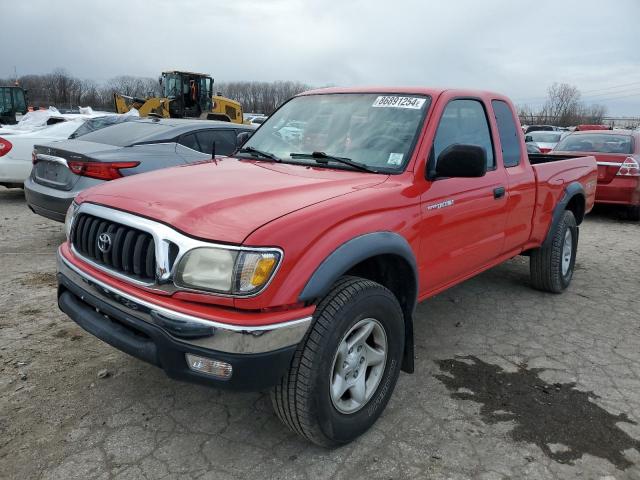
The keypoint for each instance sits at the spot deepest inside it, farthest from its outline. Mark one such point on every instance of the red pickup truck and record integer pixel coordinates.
(296, 264)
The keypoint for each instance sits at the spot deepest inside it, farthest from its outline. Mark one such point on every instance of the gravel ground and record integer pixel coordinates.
(509, 383)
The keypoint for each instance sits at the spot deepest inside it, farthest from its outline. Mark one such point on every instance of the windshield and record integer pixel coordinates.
(544, 137)
(171, 85)
(596, 142)
(371, 129)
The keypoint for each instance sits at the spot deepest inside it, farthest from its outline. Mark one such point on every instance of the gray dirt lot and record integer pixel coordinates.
(493, 395)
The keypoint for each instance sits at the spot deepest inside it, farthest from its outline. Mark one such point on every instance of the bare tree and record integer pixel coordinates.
(261, 97)
(61, 89)
(563, 108)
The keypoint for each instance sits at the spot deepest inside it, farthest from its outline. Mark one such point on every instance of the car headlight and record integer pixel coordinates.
(237, 272)
(68, 218)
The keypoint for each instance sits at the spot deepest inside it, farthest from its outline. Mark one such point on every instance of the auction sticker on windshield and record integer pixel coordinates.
(399, 102)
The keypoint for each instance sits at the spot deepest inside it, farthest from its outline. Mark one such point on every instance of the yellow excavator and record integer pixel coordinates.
(185, 95)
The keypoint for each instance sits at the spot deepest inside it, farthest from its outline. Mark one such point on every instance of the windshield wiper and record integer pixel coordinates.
(321, 157)
(258, 153)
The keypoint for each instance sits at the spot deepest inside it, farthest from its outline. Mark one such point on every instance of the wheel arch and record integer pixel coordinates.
(574, 200)
(383, 257)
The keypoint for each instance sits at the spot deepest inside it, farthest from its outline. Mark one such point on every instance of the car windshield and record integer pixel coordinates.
(544, 137)
(597, 143)
(374, 130)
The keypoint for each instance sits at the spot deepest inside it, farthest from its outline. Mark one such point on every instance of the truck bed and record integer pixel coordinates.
(553, 174)
(537, 158)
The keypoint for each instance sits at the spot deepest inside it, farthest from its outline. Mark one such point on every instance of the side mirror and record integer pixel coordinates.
(528, 138)
(459, 160)
(242, 138)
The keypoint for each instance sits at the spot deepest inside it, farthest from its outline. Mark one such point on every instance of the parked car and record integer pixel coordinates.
(532, 148)
(259, 120)
(582, 128)
(618, 155)
(540, 128)
(297, 265)
(63, 169)
(16, 151)
(544, 140)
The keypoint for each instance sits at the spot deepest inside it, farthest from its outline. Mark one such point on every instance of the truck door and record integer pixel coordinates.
(463, 219)
(520, 177)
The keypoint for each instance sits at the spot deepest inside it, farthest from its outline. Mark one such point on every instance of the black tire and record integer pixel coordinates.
(302, 399)
(545, 263)
(633, 213)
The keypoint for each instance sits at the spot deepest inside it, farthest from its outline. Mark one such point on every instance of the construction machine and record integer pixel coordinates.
(184, 95)
(13, 103)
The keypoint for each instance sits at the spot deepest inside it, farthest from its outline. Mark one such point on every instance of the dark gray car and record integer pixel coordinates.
(63, 169)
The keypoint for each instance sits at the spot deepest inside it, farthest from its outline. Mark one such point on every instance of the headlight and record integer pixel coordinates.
(239, 272)
(68, 218)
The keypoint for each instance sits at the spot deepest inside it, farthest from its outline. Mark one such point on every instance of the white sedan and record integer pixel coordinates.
(15, 150)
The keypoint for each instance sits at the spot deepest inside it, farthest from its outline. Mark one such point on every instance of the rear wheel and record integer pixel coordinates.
(551, 266)
(344, 371)
(634, 213)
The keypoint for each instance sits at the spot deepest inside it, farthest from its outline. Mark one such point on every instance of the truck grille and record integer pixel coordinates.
(115, 246)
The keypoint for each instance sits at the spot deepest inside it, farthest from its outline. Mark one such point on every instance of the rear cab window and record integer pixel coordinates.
(508, 133)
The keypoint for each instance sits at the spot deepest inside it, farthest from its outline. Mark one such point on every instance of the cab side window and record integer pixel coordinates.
(463, 122)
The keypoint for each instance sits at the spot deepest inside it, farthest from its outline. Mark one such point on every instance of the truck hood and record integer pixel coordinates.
(226, 199)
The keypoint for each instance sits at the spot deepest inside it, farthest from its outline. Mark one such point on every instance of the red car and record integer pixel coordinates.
(583, 128)
(296, 264)
(618, 155)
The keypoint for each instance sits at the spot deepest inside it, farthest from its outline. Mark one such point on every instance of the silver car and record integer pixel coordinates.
(63, 169)
(544, 140)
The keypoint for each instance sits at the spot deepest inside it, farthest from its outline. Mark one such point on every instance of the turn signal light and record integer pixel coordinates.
(208, 366)
(5, 146)
(629, 168)
(100, 170)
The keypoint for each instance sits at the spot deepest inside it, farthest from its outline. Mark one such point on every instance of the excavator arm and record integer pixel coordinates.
(154, 106)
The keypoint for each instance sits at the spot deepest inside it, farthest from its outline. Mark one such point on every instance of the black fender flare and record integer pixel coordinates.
(570, 191)
(355, 251)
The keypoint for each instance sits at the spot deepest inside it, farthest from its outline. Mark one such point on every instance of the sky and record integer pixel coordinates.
(514, 47)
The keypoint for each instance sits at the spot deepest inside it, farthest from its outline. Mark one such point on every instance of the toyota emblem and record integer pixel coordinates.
(104, 242)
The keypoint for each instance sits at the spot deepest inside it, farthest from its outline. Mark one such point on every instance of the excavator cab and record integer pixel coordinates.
(189, 93)
(13, 104)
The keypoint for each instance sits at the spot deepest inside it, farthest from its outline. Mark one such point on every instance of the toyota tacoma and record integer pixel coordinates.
(295, 264)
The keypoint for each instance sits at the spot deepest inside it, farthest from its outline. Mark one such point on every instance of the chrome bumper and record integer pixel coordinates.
(189, 329)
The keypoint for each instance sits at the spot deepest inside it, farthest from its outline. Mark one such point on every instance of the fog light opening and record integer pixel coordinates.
(209, 366)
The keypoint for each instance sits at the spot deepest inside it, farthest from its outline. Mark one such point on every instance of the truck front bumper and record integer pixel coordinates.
(257, 356)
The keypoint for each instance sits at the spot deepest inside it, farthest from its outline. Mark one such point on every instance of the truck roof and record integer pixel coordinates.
(431, 91)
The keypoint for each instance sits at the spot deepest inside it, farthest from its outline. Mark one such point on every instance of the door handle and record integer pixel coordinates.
(498, 192)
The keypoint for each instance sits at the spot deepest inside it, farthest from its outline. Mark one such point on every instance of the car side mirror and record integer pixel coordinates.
(528, 139)
(242, 138)
(460, 160)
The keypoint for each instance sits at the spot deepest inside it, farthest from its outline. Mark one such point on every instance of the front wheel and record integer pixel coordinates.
(344, 371)
(551, 266)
